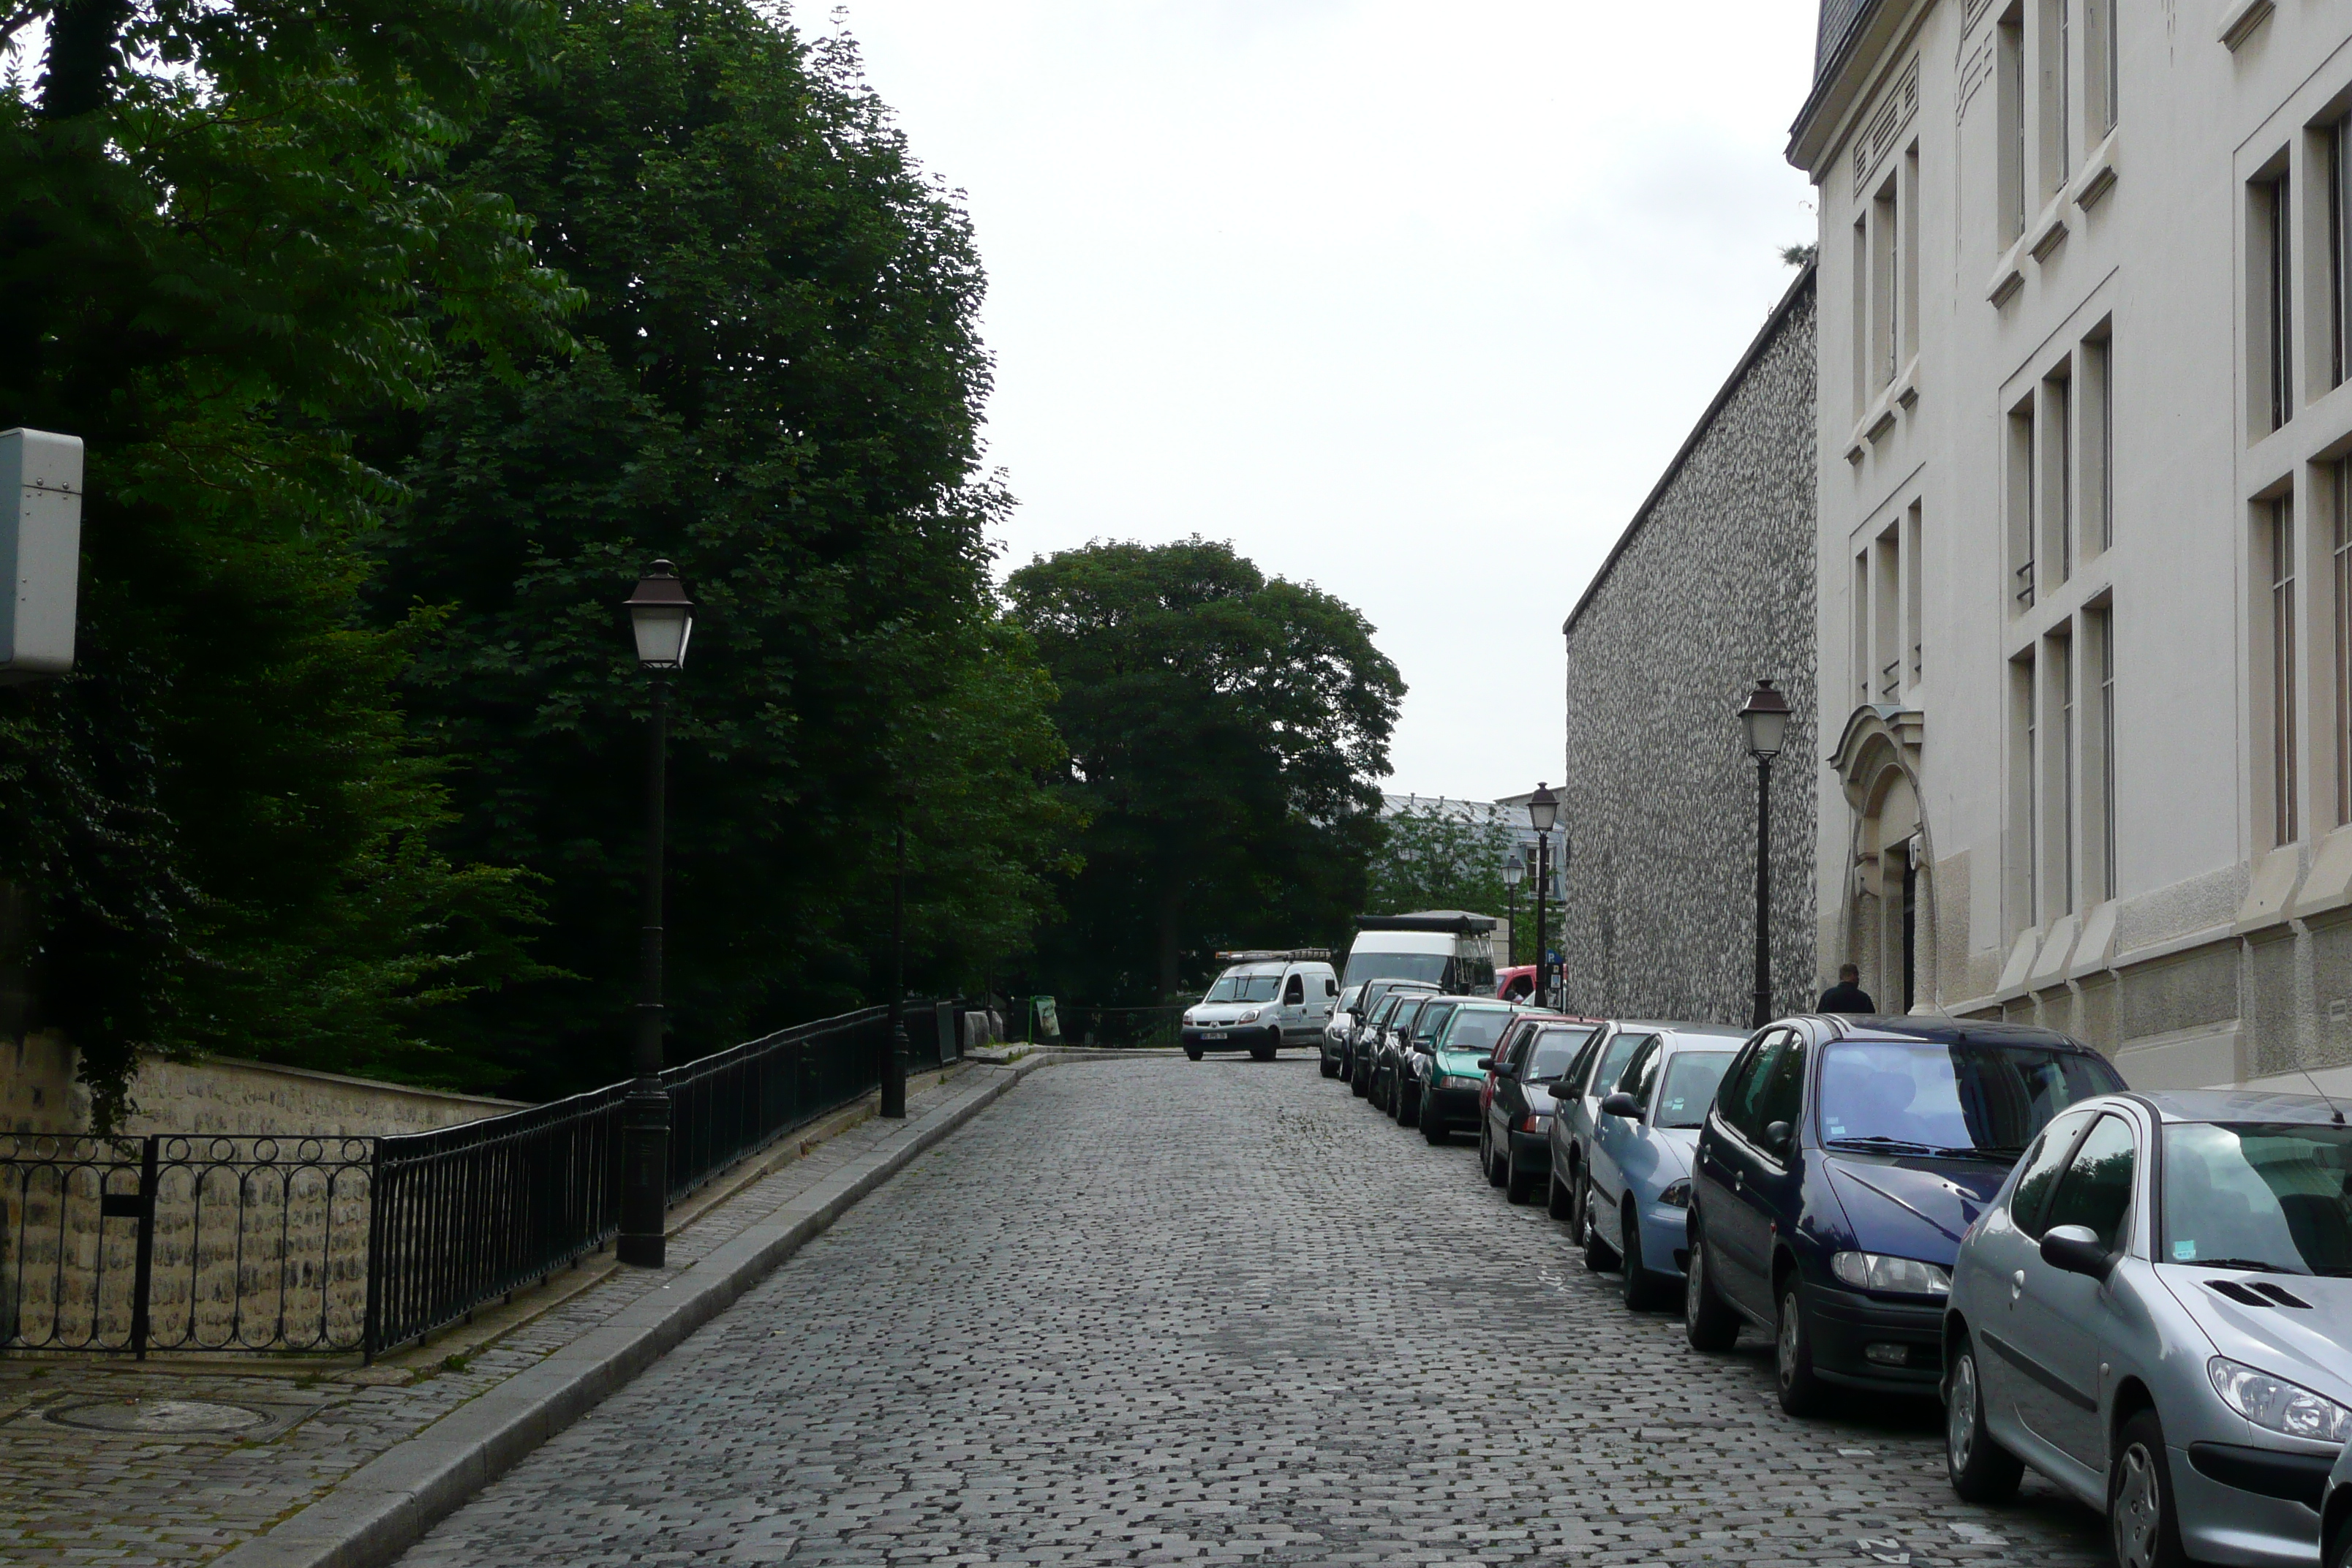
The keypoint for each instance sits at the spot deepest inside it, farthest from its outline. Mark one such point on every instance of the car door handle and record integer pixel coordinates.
(2016, 1284)
(1738, 1181)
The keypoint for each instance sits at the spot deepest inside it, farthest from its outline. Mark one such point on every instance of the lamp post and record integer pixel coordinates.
(1515, 871)
(1764, 716)
(894, 1049)
(661, 617)
(1543, 811)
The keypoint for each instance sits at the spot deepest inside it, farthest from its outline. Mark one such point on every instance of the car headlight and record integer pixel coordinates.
(1899, 1276)
(2277, 1405)
(1456, 1080)
(1678, 1196)
(1248, 1017)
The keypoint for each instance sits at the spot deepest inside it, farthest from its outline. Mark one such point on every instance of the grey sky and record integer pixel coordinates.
(1413, 300)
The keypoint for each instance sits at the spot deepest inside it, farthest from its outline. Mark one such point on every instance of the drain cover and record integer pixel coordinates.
(163, 1415)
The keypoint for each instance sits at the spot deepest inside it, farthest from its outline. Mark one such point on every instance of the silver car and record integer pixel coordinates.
(2155, 1311)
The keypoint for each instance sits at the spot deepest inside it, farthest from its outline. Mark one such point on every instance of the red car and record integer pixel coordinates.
(1515, 984)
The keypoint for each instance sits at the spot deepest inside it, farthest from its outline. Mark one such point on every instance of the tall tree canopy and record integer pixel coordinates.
(1226, 733)
(224, 237)
(779, 388)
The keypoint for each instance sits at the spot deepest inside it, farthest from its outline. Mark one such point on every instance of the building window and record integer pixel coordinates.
(2062, 772)
(2057, 70)
(1861, 629)
(1862, 385)
(2058, 477)
(2285, 657)
(2339, 253)
(1906, 308)
(1915, 526)
(2102, 739)
(1889, 656)
(2340, 555)
(2274, 303)
(2024, 820)
(2010, 92)
(1885, 268)
(2100, 62)
(2024, 517)
(2097, 487)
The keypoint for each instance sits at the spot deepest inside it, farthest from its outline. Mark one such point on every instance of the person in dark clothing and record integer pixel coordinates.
(1847, 995)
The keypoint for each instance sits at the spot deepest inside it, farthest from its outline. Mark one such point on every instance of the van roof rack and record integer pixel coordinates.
(1462, 922)
(1276, 955)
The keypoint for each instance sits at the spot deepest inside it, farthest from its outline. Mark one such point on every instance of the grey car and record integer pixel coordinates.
(1595, 1073)
(1637, 1163)
(2335, 1514)
(2155, 1311)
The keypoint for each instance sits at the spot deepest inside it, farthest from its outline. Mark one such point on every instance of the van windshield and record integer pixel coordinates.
(1427, 967)
(1243, 986)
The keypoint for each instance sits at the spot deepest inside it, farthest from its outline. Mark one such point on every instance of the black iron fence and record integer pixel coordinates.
(196, 1242)
(1124, 1026)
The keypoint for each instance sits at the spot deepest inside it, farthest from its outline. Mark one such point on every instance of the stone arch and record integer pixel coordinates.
(1888, 881)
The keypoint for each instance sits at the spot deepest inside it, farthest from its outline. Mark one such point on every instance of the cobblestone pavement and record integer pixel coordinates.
(71, 1496)
(1148, 1312)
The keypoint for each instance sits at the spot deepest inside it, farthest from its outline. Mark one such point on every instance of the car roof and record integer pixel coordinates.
(2238, 1105)
(1678, 1026)
(1940, 1031)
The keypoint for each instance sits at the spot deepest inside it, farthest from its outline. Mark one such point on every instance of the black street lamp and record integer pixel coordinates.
(1515, 871)
(662, 618)
(894, 1049)
(1765, 715)
(1543, 811)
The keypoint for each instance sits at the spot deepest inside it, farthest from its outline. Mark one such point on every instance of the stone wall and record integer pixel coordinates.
(224, 1095)
(1711, 588)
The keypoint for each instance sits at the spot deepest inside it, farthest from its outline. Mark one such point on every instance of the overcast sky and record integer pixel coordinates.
(1411, 300)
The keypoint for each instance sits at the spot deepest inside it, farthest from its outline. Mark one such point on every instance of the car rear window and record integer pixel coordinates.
(1692, 1078)
(1555, 1050)
(1477, 1029)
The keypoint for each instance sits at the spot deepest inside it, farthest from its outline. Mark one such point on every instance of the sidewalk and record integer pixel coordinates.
(345, 1464)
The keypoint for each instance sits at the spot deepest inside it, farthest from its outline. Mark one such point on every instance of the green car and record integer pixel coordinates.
(1443, 1071)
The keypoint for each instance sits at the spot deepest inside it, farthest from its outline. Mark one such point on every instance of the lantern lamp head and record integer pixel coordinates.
(1514, 870)
(1543, 809)
(662, 618)
(1766, 716)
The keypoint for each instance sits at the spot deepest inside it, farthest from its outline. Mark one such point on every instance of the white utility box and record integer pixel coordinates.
(40, 552)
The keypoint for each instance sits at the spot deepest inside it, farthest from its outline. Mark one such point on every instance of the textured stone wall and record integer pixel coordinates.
(1713, 589)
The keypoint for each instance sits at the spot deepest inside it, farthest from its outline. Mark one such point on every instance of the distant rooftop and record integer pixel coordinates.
(1838, 20)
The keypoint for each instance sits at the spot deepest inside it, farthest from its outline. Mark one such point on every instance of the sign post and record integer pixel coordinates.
(40, 554)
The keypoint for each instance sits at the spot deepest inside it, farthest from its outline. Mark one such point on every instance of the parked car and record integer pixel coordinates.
(1515, 1125)
(1445, 1070)
(1841, 1161)
(1516, 984)
(1636, 1202)
(1377, 1002)
(1261, 1001)
(1391, 1077)
(1363, 1043)
(1528, 1018)
(2156, 1313)
(1333, 1045)
(1593, 1075)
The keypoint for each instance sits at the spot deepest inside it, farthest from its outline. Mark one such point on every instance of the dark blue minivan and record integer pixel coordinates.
(1843, 1160)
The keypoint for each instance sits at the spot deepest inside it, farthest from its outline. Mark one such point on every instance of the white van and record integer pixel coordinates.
(1263, 1002)
(1450, 949)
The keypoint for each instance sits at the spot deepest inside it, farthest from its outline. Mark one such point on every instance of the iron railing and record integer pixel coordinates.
(1123, 1026)
(197, 1242)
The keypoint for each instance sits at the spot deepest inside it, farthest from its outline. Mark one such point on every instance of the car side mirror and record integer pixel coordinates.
(2077, 1250)
(1486, 1063)
(1621, 1104)
(1779, 1137)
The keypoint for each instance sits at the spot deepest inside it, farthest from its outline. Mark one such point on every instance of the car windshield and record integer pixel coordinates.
(2269, 1195)
(1477, 1029)
(1691, 1080)
(1429, 968)
(1555, 1049)
(1245, 985)
(1968, 1097)
(1432, 1019)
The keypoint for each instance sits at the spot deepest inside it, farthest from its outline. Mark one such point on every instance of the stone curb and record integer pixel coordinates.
(385, 1506)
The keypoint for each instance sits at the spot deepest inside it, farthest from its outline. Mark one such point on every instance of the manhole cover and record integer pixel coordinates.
(167, 1415)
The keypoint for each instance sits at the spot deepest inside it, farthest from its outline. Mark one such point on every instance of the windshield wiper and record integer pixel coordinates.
(1878, 1144)
(1988, 1151)
(2251, 1265)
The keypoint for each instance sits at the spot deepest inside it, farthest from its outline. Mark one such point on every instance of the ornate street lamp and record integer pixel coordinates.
(1543, 812)
(1764, 716)
(661, 617)
(1515, 871)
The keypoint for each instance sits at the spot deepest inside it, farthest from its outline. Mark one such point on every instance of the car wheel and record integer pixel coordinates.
(1264, 1050)
(1486, 1161)
(1598, 1256)
(1193, 1052)
(1556, 1201)
(2338, 1552)
(1408, 1101)
(1432, 1125)
(1792, 1351)
(1330, 1068)
(1355, 1078)
(1643, 1288)
(2141, 1520)
(1982, 1471)
(1518, 1186)
(1709, 1323)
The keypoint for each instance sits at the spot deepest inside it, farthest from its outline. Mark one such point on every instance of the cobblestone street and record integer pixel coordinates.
(1146, 1312)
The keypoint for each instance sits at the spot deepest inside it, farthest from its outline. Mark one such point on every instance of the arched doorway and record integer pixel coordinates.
(1889, 908)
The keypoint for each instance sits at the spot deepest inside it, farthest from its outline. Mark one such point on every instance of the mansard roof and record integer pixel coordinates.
(1840, 19)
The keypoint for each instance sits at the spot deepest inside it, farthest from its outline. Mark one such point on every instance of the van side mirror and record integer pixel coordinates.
(1621, 1104)
(2077, 1250)
(1779, 1137)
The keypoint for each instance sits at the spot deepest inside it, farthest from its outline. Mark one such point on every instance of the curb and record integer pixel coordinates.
(385, 1506)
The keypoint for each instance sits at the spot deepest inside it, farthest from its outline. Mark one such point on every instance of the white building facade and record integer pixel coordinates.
(2086, 519)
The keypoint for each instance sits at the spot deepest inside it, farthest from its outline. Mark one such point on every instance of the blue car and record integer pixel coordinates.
(1637, 1176)
(1842, 1163)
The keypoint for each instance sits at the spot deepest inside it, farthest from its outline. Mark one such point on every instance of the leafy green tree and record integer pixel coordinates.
(1227, 731)
(779, 388)
(226, 240)
(1440, 855)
